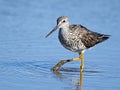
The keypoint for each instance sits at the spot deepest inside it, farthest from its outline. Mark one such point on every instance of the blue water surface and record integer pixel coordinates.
(26, 56)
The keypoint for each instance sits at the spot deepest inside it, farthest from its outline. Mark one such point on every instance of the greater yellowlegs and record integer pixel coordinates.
(76, 38)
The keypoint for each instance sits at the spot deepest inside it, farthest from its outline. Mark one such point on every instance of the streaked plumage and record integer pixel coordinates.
(80, 38)
(77, 38)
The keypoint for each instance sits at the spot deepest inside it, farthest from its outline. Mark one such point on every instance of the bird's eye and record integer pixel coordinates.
(63, 20)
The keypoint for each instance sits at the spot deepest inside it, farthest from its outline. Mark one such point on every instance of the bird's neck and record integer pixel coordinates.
(65, 32)
(66, 28)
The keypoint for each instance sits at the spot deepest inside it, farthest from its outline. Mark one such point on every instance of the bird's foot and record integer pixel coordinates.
(57, 66)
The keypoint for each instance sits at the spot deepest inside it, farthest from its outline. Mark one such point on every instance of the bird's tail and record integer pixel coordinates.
(105, 37)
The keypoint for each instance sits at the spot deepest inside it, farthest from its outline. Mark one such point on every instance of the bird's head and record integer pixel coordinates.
(62, 22)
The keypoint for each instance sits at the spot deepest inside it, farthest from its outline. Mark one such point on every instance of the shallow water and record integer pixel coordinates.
(26, 56)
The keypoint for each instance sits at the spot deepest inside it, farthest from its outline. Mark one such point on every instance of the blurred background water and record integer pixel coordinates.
(26, 56)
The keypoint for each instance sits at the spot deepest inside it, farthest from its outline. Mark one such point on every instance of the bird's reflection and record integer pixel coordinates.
(64, 73)
(81, 80)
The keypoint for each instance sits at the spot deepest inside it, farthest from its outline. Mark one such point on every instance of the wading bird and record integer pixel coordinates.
(76, 38)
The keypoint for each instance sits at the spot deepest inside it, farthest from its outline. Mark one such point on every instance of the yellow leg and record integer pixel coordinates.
(82, 62)
(81, 57)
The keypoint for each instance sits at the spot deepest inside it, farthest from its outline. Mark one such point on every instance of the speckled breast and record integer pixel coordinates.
(71, 42)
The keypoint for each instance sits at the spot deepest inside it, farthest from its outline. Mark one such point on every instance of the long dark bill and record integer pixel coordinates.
(55, 28)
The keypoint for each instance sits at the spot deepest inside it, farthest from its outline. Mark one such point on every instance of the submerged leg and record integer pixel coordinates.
(57, 66)
(81, 57)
